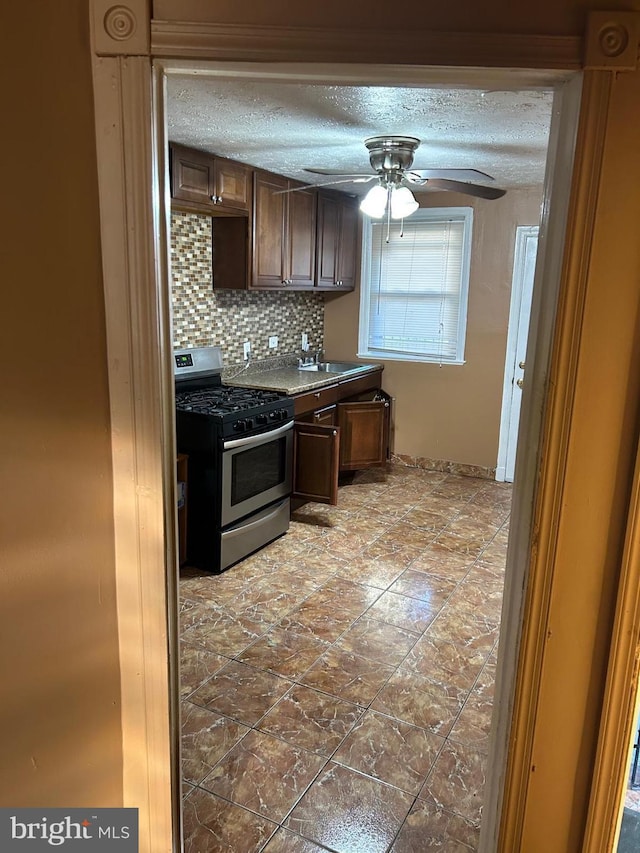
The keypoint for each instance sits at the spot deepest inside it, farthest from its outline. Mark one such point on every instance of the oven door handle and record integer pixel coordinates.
(262, 438)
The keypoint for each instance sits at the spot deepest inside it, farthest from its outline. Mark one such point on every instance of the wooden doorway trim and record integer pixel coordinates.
(132, 192)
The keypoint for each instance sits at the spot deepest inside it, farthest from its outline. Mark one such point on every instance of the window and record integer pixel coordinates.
(415, 282)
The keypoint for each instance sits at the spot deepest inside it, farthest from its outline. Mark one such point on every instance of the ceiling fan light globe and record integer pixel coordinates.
(374, 203)
(403, 203)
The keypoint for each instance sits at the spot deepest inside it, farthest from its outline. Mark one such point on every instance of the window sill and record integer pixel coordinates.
(413, 359)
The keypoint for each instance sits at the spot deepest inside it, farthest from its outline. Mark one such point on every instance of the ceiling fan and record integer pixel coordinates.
(391, 158)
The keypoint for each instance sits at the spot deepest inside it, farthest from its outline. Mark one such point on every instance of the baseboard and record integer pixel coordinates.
(444, 466)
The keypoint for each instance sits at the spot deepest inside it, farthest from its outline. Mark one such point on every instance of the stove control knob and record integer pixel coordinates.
(261, 419)
(283, 414)
(249, 423)
(240, 426)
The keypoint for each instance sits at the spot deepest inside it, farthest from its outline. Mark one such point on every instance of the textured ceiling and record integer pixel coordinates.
(284, 126)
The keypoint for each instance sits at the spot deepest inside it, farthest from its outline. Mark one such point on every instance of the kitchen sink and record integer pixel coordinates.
(333, 367)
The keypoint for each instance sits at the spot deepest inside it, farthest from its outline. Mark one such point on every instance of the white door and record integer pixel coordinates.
(524, 265)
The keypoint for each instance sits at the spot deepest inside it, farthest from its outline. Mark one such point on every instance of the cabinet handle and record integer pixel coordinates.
(216, 199)
(317, 394)
(519, 383)
(285, 282)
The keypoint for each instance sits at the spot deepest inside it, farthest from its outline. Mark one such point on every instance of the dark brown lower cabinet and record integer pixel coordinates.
(316, 455)
(322, 449)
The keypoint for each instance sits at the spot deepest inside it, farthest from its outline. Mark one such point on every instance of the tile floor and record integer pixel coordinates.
(337, 685)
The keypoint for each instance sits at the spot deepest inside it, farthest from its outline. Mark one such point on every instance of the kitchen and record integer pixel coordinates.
(432, 431)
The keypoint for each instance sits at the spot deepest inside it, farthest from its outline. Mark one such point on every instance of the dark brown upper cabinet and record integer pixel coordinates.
(204, 183)
(284, 234)
(337, 241)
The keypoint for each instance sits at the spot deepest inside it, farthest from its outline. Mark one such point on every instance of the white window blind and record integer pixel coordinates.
(415, 285)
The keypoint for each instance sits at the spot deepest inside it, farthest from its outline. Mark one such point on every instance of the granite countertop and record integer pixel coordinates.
(290, 380)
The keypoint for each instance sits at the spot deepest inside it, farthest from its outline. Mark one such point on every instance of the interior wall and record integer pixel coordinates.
(451, 413)
(60, 714)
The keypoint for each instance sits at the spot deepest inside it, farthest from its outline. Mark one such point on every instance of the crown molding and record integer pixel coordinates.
(195, 40)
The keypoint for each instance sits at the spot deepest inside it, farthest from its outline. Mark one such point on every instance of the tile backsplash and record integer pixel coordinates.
(203, 316)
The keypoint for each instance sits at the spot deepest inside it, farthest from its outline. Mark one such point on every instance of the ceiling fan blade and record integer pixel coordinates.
(339, 173)
(462, 187)
(357, 180)
(453, 174)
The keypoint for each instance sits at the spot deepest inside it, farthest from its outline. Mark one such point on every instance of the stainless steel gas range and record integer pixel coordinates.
(239, 444)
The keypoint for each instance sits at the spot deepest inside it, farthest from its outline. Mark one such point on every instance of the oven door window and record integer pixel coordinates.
(255, 475)
(258, 470)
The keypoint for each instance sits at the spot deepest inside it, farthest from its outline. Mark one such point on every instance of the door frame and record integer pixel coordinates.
(134, 200)
(524, 233)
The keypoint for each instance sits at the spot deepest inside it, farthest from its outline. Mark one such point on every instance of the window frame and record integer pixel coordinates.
(425, 214)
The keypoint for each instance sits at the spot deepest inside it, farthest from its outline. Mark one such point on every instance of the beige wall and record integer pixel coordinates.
(59, 714)
(452, 413)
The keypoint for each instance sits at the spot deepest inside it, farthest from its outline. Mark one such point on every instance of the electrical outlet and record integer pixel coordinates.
(273, 341)
(305, 341)
(247, 349)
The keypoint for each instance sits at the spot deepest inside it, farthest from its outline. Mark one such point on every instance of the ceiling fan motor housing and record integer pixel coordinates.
(389, 154)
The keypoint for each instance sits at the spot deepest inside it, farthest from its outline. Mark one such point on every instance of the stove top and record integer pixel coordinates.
(207, 410)
(224, 399)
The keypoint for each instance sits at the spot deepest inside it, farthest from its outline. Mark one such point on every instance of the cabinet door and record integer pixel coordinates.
(192, 177)
(232, 184)
(328, 231)
(337, 242)
(269, 210)
(347, 243)
(364, 434)
(316, 451)
(300, 266)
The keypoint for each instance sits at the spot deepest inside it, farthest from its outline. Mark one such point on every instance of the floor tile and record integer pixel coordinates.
(319, 620)
(285, 841)
(225, 635)
(241, 692)
(344, 669)
(456, 782)
(421, 701)
(445, 661)
(377, 641)
(371, 571)
(205, 738)
(347, 676)
(350, 813)
(283, 652)
(212, 825)
(310, 719)
(264, 774)
(411, 614)
(430, 828)
(391, 751)
(431, 588)
(196, 666)
(346, 595)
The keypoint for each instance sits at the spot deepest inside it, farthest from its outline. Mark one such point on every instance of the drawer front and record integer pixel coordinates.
(315, 399)
(350, 388)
